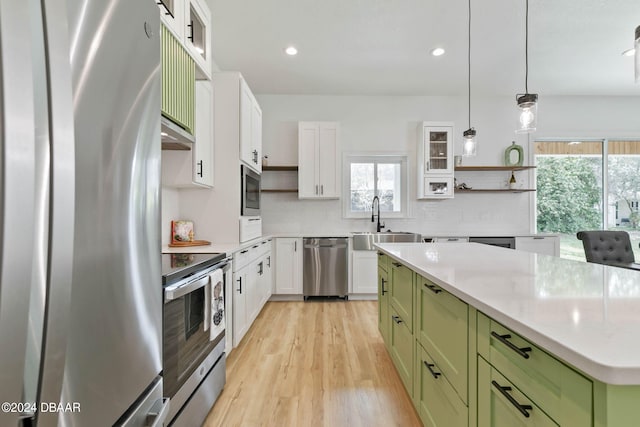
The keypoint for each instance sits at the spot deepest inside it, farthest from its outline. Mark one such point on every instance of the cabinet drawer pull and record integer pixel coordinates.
(433, 288)
(522, 408)
(397, 319)
(382, 282)
(245, 251)
(429, 366)
(396, 264)
(380, 254)
(504, 339)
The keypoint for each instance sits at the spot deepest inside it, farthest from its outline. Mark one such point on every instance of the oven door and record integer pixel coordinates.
(250, 192)
(187, 338)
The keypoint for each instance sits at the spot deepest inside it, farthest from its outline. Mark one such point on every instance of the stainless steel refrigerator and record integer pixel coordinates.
(80, 272)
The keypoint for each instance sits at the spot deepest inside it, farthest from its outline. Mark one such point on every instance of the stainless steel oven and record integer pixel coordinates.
(250, 192)
(193, 334)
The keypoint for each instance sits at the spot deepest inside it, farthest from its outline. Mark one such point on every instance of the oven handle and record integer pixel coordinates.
(172, 293)
(180, 290)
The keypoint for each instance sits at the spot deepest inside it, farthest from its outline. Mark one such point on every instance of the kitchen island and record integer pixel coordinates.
(511, 337)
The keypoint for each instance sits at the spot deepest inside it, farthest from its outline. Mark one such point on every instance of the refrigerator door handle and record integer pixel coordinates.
(62, 206)
(158, 413)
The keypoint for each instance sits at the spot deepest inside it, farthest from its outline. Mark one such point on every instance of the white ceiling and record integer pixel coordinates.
(381, 47)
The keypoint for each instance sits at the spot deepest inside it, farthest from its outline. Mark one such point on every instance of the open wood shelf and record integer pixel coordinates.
(493, 168)
(279, 190)
(495, 190)
(280, 168)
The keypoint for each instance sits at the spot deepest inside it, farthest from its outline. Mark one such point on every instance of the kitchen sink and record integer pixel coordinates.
(364, 241)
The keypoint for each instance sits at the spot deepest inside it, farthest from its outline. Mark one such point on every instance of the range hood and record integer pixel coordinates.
(174, 137)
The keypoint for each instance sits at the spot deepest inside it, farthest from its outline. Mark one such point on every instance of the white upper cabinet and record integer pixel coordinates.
(197, 36)
(250, 129)
(172, 15)
(190, 23)
(435, 160)
(318, 150)
(194, 168)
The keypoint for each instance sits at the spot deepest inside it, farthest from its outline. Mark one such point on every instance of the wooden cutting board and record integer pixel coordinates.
(191, 243)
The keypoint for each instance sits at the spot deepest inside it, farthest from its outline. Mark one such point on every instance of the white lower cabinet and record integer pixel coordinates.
(364, 272)
(240, 317)
(545, 245)
(251, 286)
(288, 280)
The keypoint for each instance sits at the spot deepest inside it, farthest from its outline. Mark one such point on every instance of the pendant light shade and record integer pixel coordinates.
(469, 142)
(527, 102)
(637, 46)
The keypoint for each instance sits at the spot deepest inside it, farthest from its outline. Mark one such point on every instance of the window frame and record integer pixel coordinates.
(401, 158)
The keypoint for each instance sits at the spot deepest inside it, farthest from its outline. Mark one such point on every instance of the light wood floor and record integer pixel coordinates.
(313, 364)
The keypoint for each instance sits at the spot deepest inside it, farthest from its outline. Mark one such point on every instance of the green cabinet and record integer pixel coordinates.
(178, 82)
(384, 318)
(438, 403)
(401, 347)
(562, 393)
(401, 292)
(501, 404)
(443, 329)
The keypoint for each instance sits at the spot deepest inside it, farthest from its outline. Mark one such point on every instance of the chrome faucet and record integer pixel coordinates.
(378, 225)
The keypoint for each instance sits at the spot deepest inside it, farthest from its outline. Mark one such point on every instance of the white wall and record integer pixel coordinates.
(381, 123)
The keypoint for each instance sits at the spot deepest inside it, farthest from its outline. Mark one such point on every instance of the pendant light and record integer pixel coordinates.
(637, 46)
(527, 102)
(469, 142)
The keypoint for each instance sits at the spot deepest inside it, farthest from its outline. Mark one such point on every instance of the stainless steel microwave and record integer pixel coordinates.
(250, 192)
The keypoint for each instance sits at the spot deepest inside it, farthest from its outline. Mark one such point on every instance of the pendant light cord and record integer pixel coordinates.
(469, 64)
(526, 48)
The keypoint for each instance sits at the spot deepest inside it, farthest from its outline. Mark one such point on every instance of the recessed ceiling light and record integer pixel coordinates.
(291, 50)
(438, 51)
(629, 52)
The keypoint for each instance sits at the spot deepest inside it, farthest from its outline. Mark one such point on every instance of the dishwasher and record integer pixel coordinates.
(325, 267)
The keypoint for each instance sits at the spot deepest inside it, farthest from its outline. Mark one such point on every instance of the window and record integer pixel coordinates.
(587, 185)
(369, 176)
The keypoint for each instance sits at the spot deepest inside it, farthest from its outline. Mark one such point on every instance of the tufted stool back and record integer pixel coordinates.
(606, 247)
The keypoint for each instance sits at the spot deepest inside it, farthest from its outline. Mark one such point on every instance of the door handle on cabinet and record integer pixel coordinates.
(316, 189)
(433, 288)
(429, 366)
(322, 189)
(504, 339)
(190, 37)
(382, 282)
(397, 319)
(520, 407)
(240, 288)
(200, 166)
(295, 246)
(269, 261)
(396, 264)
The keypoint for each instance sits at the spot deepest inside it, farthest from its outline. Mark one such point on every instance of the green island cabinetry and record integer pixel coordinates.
(178, 82)
(384, 320)
(463, 368)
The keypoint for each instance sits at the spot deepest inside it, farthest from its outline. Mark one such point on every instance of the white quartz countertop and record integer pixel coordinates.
(214, 248)
(586, 314)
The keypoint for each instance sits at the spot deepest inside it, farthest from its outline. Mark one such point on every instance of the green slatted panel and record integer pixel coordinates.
(178, 82)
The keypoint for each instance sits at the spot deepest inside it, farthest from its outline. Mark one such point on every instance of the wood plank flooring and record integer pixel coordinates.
(313, 364)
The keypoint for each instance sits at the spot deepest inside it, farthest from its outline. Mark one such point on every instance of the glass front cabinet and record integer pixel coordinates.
(435, 160)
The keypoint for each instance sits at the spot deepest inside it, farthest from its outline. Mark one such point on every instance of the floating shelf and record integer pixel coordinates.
(279, 190)
(493, 168)
(495, 190)
(280, 168)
